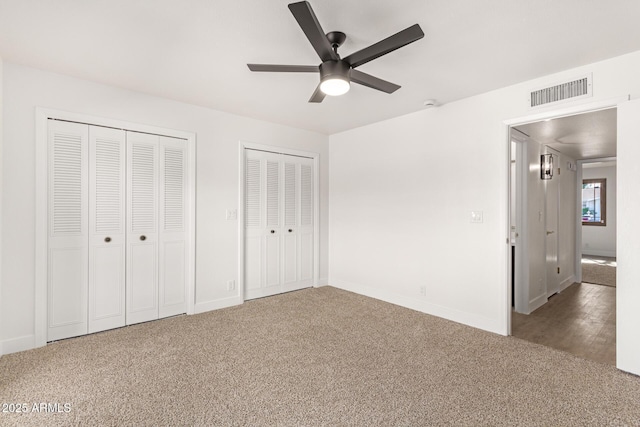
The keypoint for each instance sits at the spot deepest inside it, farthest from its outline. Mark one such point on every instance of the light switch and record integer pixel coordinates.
(232, 214)
(476, 216)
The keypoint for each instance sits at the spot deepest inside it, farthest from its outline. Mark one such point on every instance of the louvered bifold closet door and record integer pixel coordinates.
(306, 226)
(278, 223)
(67, 230)
(106, 228)
(173, 231)
(263, 224)
(142, 227)
(253, 223)
(291, 221)
(298, 223)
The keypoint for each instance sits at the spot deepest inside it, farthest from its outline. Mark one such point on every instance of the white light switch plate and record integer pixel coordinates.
(232, 214)
(476, 216)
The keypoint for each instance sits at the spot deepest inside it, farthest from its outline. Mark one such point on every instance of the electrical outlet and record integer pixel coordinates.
(231, 285)
(232, 214)
(423, 291)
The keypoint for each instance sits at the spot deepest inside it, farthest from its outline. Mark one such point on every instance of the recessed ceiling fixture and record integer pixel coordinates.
(336, 73)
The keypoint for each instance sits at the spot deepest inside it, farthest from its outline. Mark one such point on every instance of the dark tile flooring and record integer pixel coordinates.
(580, 320)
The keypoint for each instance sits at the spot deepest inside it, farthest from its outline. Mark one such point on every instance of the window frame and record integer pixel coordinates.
(603, 201)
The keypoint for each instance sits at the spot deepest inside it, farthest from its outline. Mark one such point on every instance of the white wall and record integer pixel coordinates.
(601, 240)
(218, 136)
(1, 198)
(401, 193)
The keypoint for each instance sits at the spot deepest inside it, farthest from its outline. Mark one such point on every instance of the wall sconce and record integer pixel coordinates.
(546, 166)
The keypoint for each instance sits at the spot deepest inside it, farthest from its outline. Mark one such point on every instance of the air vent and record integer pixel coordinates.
(575, 89)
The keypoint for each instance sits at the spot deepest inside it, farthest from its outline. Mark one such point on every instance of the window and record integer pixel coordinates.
(594, 202)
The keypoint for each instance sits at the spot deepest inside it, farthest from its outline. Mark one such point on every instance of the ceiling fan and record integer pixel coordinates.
(336, 73)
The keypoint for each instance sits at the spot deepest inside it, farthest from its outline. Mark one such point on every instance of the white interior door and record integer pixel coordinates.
(263, 224)
(298, 223)
(278, 223)
(272, 234)
(118, 211)
(142, 227)
(67, 230)
(552, 193)
(106, 228)
(627, 250)
(173, 251)
(291, 230)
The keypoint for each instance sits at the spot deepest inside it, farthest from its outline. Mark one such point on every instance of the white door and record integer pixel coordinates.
(298, 223)
(106, 228)
(278, 223)
(67, 230)
(263, 224)
(552, 193)
(628, 270)
(117, 228)
(142, 227)
(173, 233)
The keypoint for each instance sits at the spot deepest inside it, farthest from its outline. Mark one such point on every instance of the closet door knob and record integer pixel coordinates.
(290, 230)
(143, 237)
(107, 239)
(273, 231)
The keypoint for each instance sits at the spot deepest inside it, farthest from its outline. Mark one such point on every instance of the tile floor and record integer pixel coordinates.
(580, 320)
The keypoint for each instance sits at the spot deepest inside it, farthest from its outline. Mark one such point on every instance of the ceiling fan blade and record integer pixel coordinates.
(284, 68)
(373, 82)
(318, 95)
(307, 20)
(396, 41)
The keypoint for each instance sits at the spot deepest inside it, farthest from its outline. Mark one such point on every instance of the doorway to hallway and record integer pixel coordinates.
(575, 317)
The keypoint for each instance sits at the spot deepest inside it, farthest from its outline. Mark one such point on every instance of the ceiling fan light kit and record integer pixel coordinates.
(335, 78)
(336, 73)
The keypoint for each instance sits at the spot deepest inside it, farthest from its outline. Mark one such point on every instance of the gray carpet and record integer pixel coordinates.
(313, 357)
(599, 270)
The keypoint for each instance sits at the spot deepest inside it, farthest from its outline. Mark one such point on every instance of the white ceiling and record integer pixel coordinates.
(196, 51)
(583, 136)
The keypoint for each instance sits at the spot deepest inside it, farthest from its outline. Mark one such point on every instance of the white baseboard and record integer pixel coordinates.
(323, 281)
(15, 345)
(536, 303)
(596, 252)
(28, 342)
(203, 307)
(566, 283)
(422, 306)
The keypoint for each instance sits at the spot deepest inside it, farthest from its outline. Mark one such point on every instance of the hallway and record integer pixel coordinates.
(580, 320)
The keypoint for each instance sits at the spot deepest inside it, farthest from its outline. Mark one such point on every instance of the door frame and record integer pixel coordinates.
(42, 115)
(520, 276)
(547, 195)
(242, 147)
(544, 114)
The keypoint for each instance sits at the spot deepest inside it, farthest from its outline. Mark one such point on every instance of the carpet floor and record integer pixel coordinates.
(599, 270)
(313, 357)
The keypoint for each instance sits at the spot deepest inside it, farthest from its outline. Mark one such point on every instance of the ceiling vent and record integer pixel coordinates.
(571, 90)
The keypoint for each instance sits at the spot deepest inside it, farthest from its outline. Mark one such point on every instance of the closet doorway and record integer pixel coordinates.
(279, 221)
(114, 224)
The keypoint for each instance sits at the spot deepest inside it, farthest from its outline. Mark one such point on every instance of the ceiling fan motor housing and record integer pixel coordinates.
(335, 69)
